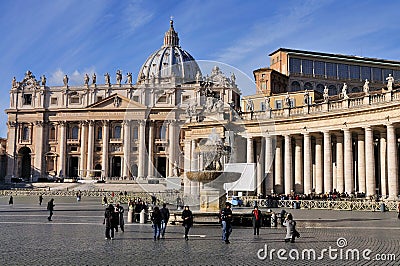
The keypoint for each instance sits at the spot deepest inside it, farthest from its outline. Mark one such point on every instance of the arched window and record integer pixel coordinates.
(25, 132)
(332, 90)
(52, 133)
(74, 132)
(308, 86)
(320, 88)
(295, 86)
(163, 132)
(99, 133)
(117, 132)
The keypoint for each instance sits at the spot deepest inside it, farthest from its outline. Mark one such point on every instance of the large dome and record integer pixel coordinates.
(168, 62)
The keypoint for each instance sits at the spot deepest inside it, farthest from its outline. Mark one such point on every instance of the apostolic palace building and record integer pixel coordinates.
(317, 123)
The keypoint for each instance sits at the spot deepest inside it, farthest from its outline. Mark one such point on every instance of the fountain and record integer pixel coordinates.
(212, 153)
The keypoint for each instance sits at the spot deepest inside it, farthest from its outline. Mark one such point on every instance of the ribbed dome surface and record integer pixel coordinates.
(169, 61)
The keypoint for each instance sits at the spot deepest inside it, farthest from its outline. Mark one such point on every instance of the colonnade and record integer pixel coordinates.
(352, 160)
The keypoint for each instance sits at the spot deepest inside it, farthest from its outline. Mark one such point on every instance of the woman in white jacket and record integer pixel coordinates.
(291, 232)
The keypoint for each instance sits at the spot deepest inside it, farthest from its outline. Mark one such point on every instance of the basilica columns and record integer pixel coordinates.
(298, 165)
(90, 151)
(83, 153)
(288, 165)
(307, 163)
(104, 156)
(63, 149)
(370, 159)
(127, 148)
(319, 186)
(348, 161)
(361, 148)
(142, 149)
(150, 168)
(327, 162)
(392, 162)
(339, 164)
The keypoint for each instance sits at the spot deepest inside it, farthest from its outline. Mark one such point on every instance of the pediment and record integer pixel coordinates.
(116, 101)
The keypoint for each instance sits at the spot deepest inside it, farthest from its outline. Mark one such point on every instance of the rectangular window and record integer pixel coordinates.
(396, 74)
(343, 71)
(74, 100)
(99, 98)
(278, 104)
(98, 148)
(294, 65)
(74, 148)
(263, 85)
(262, 106)
(292, 103)
(162, 99)
(307, 66)
(27, 99)
(135, 98)
(319, 68)
(53, 100)
(376, 74)
(355, 72)
(99, 133)
(135, 133)
(331, 70)
(365, 73)
(185, 98)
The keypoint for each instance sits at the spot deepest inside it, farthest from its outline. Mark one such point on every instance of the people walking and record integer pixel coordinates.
(104, 201)
(11, 201)
(108, 221)
(257, 219)
(291, 232)
(121, 211)
(226, 220)
(164, 219)
(50, 208)
(115, 218)
(187, 218)
(156, 220)
(40, 200)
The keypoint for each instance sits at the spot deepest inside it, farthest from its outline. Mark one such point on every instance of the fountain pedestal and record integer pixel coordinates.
(211, 199)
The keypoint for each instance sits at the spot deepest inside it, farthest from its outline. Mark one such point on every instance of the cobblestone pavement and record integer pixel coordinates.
(76, 237)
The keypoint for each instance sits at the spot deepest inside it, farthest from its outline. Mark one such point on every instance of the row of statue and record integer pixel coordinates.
(106, 78)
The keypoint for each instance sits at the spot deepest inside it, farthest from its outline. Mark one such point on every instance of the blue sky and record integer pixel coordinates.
(57, 37)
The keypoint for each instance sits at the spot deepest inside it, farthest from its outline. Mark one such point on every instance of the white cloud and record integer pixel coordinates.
(135, 15)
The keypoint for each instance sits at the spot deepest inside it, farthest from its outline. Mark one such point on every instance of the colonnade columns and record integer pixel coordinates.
(250, 156)
(63, 149)
(278, 182)
(393, 183)
(90, 174)
(82, 163)
(370, 158)
(319, 188)
(187, 166)
(269, 158)
(307, 163)
(142, 149)
(348, 161)
(38, 162)
(327, 162)
(150, 167)
(104, 155)
(172, 147)
(127, 148)
(339, 164)
(383, 167)
(361, 149)
(298, 164)
(260, 167)
(288, 165)
(194, 185)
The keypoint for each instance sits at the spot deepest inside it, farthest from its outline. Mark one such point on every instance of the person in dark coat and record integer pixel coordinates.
(108, 221)
(40, 199)
(156, 220)
(165, 218)
(257, 218)
(50, 208)
(187, 218)
(11, 201)
(115, 219)
(121, 211)
(226, 220)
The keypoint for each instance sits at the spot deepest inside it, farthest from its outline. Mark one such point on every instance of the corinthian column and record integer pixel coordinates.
(268, 168)
(392, 162)
(63, 149)
(39, 154)
(361, 162)
(370, 159)
(307, 164)
(383, 166)
(82, 165)
(142, 149)
(298, 164)
(327, 162)
(127, 148)
(288, 165)
(90, 150)
(278, 182)
(318, 165)
(104, 156)
(340, 166)
(150, 167)
(348, 161)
